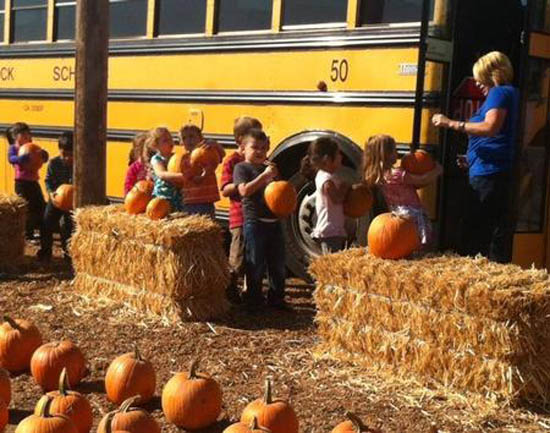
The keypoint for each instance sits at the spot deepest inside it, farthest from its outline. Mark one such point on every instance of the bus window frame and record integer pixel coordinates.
(63, 3)
(129, 38)
(5, 34)
(10, 37)
(316, 27)
(157, 35)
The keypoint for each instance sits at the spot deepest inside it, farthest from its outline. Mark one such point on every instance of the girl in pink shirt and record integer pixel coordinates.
(329, 231)
(139, 166)
(398, 186)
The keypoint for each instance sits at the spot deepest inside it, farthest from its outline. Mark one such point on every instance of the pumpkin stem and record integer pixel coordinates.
(267, 394)
(126, 404)
(11, 322)
(254, 424)
(109, 422)
(43, 408)
(193, 369)
(64, 385)
(357, 423)
(137, 355)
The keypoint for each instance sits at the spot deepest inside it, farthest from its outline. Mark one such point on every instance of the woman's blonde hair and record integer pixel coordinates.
(494, 69)
(376, 160)
(154, 135)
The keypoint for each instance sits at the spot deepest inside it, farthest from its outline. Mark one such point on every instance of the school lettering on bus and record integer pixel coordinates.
(63, 73)
(7, 73)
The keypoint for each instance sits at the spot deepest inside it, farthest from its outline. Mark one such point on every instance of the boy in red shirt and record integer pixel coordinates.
(241, 126)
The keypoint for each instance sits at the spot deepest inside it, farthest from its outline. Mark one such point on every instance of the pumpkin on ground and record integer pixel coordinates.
(71, 404)
(281, 198)
(138, 197)
(192, 400)
(131, 419)
(108, 425)
(48, 362)
(130, 375)
(253, 427)
(158, 208)
(275, 415)
(43, 421)
(18, 340)
(353, 425)
(418, 162)
(392, 236)
(358, 201)
(4, 414)
(62, 198)
(5, 387)
(34, 151)
(204, 156)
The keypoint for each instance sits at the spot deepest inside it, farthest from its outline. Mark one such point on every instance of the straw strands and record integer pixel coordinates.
(468, 323)
(13, 214)
(174, 267)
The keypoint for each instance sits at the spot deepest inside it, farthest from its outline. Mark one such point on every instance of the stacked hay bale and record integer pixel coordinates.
(13, 214)
(175, 267)
(468, 323)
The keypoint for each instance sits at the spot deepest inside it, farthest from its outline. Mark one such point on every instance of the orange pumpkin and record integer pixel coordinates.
(18, 340)
(43, 421)
(35, 160)
(192, 400)
(176, 162)
(108, 427)
(138, 197)
(281, 198)
(275, 415)
(48, 362)
(158, 208)
(130, 375)
(63, 197)
(392, 236)
(4, 414)
(128, 418)
(71, 404)
(5, 387)
(358, 201)
(419, 162)
(253, 427)
(353, 425)
(203, 156)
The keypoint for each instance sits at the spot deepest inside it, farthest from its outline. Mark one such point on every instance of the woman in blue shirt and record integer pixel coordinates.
(491, 147)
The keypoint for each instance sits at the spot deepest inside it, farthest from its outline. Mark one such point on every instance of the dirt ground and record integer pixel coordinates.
(239, 352)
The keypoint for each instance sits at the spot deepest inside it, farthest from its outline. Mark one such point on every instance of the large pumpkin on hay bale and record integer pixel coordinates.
(253, 427)
(5, 387)
(158, 208)
(204, 156)
(48, 362)
(281, 198)
(71, 404)
(62, 198)
(44, 421)
(176, 162)
(358, 201)
(392, 236)
(192, 400)
(130, 375)
(129, 418)
(418, 162)
(353, 425)
(275, 415)
(35, 161)
(138, 197)
(18, 340)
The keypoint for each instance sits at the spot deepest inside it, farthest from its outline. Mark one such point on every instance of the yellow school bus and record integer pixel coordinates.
(305, 68)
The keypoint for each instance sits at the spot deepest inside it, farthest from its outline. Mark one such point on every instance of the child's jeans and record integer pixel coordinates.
(332, 244)
(264, 247)
(207, 209)
(52, 217)
(30, 191)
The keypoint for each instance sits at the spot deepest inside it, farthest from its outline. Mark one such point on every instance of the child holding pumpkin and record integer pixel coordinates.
(60, 171)
(330, 193)
(26, 176)
(139, 162)
(263, 233)
(167, 184)
(241, 126)
(398, 186)
(200, 187)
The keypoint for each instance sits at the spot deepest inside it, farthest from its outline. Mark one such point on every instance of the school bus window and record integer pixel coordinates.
(303, 12)
(29, 20)
(181, 17)
(392, 11)
(65, 12)
(244, 15)
(128, 18)
(541, 15)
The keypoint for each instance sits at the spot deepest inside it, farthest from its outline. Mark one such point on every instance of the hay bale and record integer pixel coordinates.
(468, 323)
(13, 215)
(175, 267)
